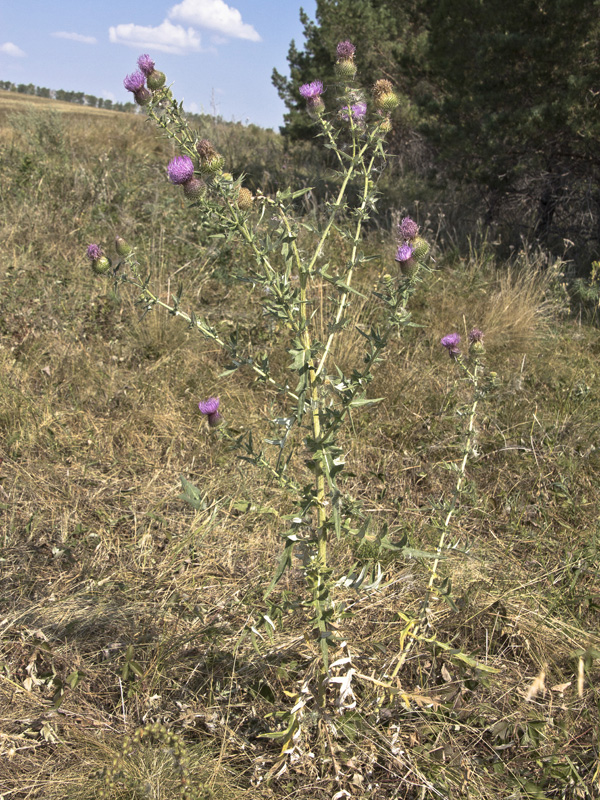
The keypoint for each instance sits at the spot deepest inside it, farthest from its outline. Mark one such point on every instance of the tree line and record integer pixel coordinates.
(501, 97)
(80, 98)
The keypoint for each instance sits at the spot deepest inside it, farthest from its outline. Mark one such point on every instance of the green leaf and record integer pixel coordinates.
(284, 562)
(246, 507)
(192, 495)
(299, 359)
(458, 655)
(73, 679)
(301, 192)
(364, 401)
(411, 552)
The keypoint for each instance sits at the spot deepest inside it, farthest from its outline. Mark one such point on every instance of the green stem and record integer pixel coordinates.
(414, 626)
(349, 274)
(459, 482)
(153, 300)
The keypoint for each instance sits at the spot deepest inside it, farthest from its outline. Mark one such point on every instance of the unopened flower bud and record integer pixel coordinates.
(143, 96)
(245, 199)
(194, 188)
(156, 80)
(123, 249)
(211, 162)
(345, 70)
(385, 126)
(387, 102)
(420, 247)
(213, 165)
(101, 265)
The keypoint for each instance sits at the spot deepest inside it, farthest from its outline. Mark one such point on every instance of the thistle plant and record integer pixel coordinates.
(471, 368)
(315, 394)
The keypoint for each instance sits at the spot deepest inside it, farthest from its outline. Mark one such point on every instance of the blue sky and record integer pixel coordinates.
(218, 54)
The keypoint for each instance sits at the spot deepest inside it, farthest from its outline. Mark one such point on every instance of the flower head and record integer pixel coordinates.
(408, 228)
(210, 408)
(475, 336)
(100, 263)
(355, 112)
(146, 64)
(345, 50)
(311, 91)
(205, 150)
(180, 169)
(382, 87)
(245, 199)
(451, 342)
(94, 252)
(134, 82)
(385, 97)
(404, 253)
(211, 162)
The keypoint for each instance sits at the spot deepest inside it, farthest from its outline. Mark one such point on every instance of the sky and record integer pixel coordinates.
(218, 54)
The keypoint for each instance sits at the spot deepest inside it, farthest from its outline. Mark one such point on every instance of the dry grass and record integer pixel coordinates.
(123, 605)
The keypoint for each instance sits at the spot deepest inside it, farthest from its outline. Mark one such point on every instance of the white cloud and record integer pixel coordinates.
(216, 16)
(11, 49)
(166, 37)
(75, 37)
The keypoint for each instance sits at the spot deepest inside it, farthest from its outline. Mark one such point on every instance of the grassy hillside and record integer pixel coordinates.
(122, 605)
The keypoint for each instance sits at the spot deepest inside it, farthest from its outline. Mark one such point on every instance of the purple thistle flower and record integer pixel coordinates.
(134, 82)
(94, 252)
(310, 91)
(451, 342)
(180, 169)
(210, 408)
(404, 253)
(475, 336)
(146, 64)
(357, 111)
(408, 228)
(345, 50)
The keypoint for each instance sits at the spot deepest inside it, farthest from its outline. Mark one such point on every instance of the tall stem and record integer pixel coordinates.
(459, 481)
(414, 626)
(349, 274)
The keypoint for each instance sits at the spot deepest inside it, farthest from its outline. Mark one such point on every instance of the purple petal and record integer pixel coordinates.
(210, 406)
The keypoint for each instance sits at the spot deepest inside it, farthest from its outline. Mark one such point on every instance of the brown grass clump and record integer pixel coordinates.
(124, 606)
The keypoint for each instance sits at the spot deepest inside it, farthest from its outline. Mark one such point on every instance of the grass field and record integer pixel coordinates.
(122, 605)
